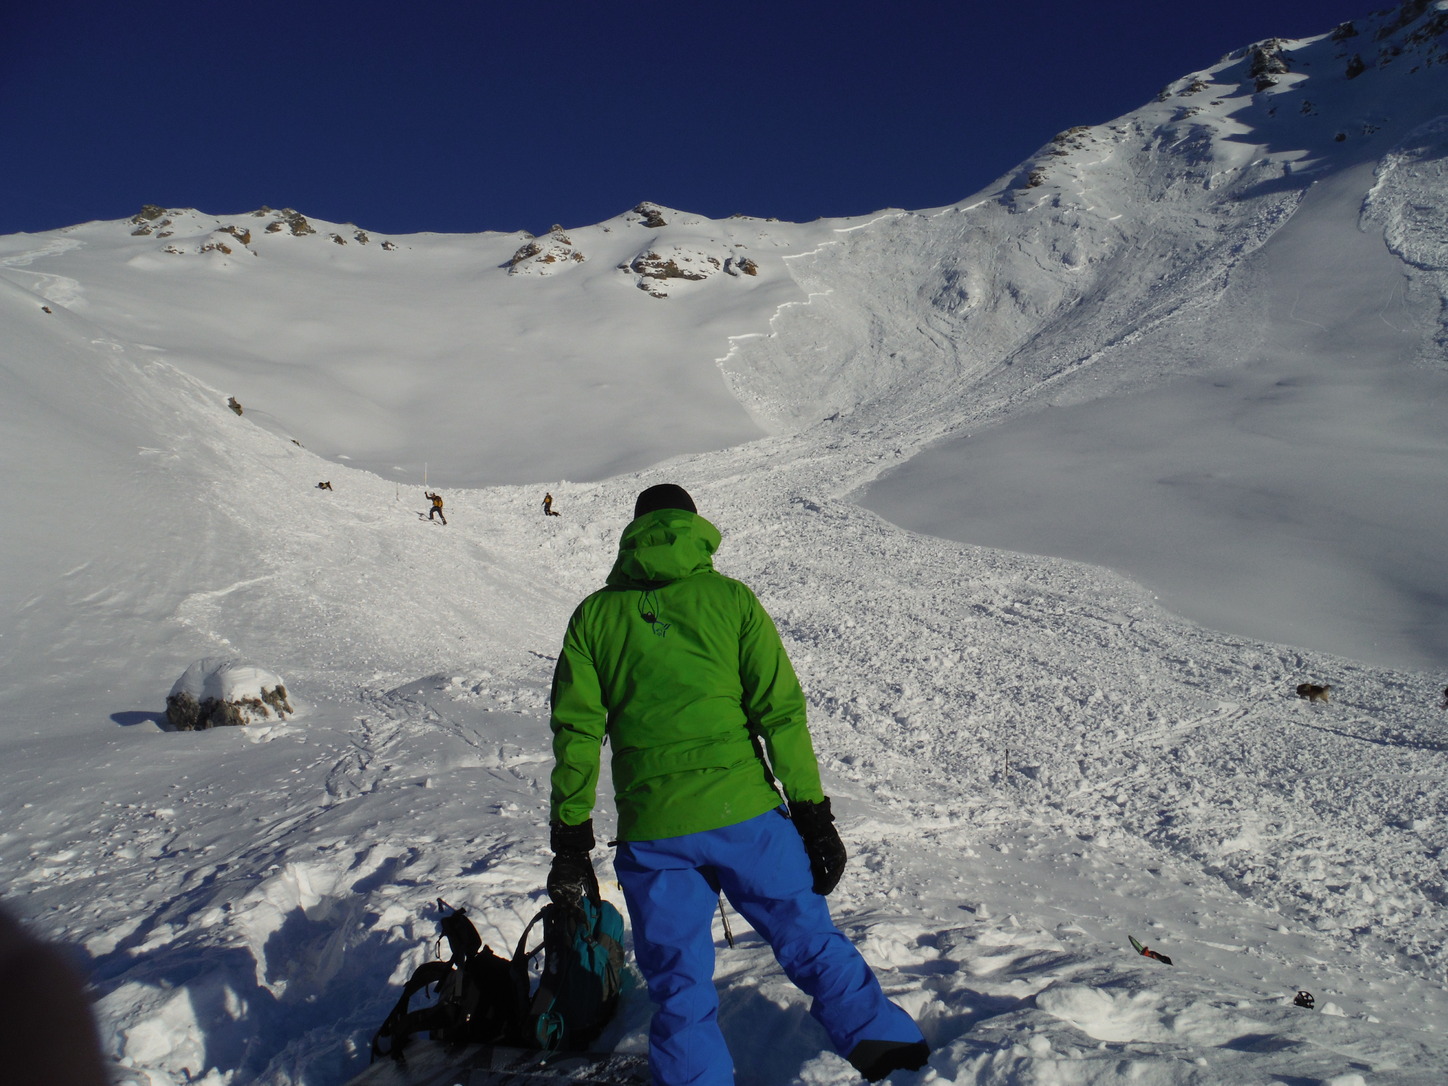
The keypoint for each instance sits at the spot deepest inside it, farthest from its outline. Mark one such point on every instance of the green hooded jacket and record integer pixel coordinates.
(681, 670)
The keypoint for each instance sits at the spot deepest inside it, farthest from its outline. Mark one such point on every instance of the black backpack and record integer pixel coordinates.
(482, 998)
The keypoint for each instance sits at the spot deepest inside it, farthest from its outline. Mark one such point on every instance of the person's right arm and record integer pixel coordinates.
(579, 720)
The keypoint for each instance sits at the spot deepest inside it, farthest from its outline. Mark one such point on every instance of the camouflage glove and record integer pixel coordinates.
(816, 826)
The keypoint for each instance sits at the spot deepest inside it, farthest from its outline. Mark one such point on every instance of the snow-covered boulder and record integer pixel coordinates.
(218, 691)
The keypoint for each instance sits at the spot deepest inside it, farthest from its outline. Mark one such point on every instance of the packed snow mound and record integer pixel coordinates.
(218, 691)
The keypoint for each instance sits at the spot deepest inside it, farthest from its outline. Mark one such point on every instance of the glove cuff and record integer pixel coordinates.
(563, 838)
(809, 815)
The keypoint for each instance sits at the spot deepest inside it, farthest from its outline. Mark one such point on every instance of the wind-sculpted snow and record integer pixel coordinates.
(1412, 225)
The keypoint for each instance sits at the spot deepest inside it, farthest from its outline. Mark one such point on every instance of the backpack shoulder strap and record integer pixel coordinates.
(522, 953)
(400, 1025)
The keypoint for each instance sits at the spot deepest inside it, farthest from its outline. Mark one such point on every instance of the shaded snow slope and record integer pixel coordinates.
(1031, 758)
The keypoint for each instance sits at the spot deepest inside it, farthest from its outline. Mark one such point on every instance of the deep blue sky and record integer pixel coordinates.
(488, 115)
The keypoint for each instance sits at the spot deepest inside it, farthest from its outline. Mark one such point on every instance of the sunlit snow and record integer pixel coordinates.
(1056, 495)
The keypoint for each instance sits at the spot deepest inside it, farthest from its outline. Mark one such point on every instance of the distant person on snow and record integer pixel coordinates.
(548, 506)
(436, 510)
(681, 670)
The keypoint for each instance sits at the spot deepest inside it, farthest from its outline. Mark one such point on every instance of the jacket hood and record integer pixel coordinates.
(664, 546)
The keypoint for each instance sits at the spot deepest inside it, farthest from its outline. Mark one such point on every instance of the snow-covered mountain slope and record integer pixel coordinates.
(459, 352)
(1229, 268)
(1032, 759)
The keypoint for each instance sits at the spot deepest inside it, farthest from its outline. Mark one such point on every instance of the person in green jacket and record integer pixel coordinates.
(717, 788)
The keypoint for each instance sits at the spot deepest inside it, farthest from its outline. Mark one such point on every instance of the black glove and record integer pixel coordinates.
(571, 877)
(816, 826)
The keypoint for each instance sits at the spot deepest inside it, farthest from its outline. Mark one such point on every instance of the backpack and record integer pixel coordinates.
(578, 991)
(482, 998)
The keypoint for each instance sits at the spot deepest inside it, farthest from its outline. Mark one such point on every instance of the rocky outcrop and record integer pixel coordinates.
(657, 269)
(651, 265)
(1073, 139)
(196, 232)
(1267, 63)
(294, 221)
(149, 220)
(654, 269)
(545, 255)
(1416, 31)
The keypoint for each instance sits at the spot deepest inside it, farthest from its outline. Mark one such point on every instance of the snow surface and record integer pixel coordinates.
(1207, 350)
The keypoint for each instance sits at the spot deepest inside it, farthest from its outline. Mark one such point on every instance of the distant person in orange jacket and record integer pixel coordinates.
(436, 510)
(548, 506)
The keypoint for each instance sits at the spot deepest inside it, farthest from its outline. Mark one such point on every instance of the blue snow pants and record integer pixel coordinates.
(672, 889)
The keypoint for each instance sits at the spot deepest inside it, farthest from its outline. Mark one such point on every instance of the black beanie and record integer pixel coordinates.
(663, 496)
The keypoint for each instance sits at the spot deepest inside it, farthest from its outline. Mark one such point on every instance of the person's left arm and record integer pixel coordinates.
(774, 704)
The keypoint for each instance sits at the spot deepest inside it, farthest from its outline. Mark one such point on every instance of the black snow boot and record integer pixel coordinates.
(876, 1059)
